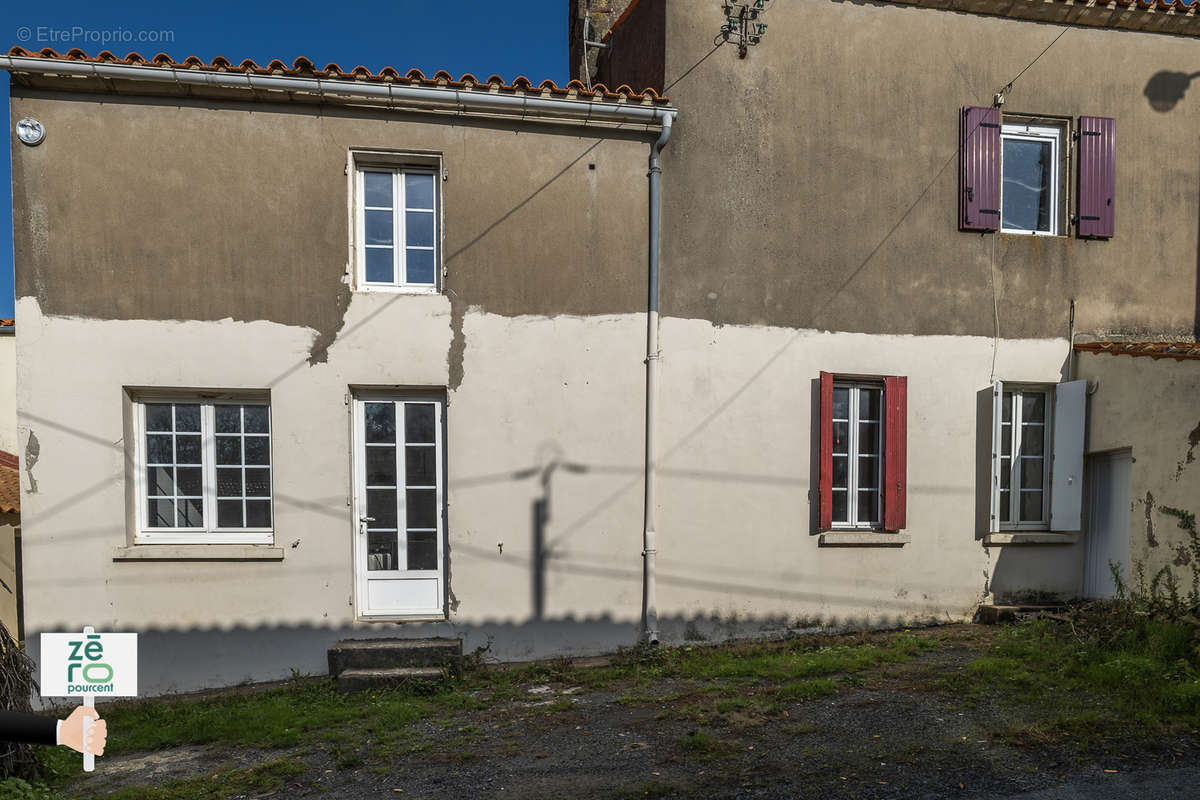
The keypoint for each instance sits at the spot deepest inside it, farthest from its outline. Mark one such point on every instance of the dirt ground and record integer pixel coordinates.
(892, 731)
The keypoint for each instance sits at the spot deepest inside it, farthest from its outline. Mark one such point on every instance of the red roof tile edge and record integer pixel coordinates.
(9, 460)
(305, 68)
(1180, 351)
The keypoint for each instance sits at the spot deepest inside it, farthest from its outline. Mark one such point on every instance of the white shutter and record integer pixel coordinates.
(997, 436)
(1066, 472)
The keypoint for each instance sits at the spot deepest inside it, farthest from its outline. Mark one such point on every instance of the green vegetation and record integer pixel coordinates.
(268, 777)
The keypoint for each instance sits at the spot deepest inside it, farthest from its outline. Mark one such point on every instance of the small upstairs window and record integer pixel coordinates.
(398, 238)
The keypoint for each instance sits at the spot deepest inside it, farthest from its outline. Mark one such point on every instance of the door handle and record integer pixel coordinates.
(362, 523)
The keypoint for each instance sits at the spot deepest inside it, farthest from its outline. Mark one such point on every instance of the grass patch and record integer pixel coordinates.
(806, 690)
(704, 744)
(268, 777)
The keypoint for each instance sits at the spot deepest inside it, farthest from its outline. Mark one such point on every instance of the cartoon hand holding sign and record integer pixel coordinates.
(85, 665)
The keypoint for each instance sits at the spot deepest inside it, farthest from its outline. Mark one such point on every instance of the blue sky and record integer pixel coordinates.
(528, 37)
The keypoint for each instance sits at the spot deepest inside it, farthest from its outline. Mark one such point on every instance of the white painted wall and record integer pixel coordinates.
(8, 392)
(736, 549)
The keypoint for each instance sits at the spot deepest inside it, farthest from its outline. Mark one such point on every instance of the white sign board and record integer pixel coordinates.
(94, 664)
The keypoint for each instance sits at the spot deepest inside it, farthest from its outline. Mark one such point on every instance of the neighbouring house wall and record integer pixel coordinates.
(10, 531)
(634, 55)
(8, 393)
(1150, 406)
(814, 184)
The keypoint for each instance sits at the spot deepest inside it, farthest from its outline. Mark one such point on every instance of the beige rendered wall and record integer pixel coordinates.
(1150, 406)
(8, 393)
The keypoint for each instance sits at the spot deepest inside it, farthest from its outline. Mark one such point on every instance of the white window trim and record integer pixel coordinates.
(1035, 133)
(210, 534)
(853, 454)
(398, 167)
(1014, 472)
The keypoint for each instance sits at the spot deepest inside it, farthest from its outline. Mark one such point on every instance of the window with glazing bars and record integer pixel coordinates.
(397, 228)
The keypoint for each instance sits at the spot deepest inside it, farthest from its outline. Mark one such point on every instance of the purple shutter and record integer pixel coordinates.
(979, 169)
(1097, 176)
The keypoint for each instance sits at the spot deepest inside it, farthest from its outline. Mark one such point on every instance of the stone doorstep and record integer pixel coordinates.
(359, 680)
(373, 654)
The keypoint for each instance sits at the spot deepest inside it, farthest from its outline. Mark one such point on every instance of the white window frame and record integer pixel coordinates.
(210, 533)
(852, 490)
(399, 243)
(1014, 472)
(1036, 133)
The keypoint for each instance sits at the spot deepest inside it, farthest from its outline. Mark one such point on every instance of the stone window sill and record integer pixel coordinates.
(864, 539)
(1029, 537)
(198, 552)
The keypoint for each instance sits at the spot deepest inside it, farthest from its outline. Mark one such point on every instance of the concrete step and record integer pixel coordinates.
(389, 653)
(993, 614)
(359, 680)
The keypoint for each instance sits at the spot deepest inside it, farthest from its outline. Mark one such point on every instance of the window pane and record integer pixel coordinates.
(422, 508)
(159, 449)
(189, 481)
(381, 551)
(229, 482)
(1031, 506)
(160, 481)
(258, 419)
(841, 403)
(381, 466)
(158, 417)
(868, 404)
(187, 449)
(418, 191)
(191, 513)
(868, 503)
(868, 437)
(419, 466)
(229, 419)
(1031, 473)
(418, 422)
(229, 450)
(1033, 440)
(420, 266)
(187, 418)
(1006, 439)
(162, 513)
(1027, 171)
(229, 514)
(1005, 473)
(418, 229)
(839, 507)
(841, 437)
(377, 189)
(380, 265)
(258, 513)
(422, 550)
(868, 473)
(381, 422)
(841, 472)
(258, 450)
(258, 483)
(1033, 407)
(381, 504)
(1006, 407)
(378, 227)
(1005, 506)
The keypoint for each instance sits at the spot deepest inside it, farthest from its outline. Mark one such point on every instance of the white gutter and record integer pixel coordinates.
(388, 94)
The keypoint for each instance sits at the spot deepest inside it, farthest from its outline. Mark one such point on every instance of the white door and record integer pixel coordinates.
(1108, 522)
(398, 544)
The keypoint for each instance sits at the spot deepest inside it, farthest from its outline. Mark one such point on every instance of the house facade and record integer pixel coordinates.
(369, 354)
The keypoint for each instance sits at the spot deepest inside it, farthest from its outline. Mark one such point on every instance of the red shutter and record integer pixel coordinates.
(895, 453)
(979, 169)
(1097, 177)
(825, 470)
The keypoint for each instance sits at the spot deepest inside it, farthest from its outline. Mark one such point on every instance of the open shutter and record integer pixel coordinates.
(895, 453)
(1097, 177)
(1066, 472)
(997, 449)
(825, 469)
(979, 169)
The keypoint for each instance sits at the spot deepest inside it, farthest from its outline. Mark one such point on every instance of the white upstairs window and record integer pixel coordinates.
(397, 228)
(1037, 456)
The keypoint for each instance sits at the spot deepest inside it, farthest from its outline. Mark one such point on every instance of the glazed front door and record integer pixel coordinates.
(399, 519)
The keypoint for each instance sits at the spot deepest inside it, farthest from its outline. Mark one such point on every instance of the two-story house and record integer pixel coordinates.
(307, 354)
